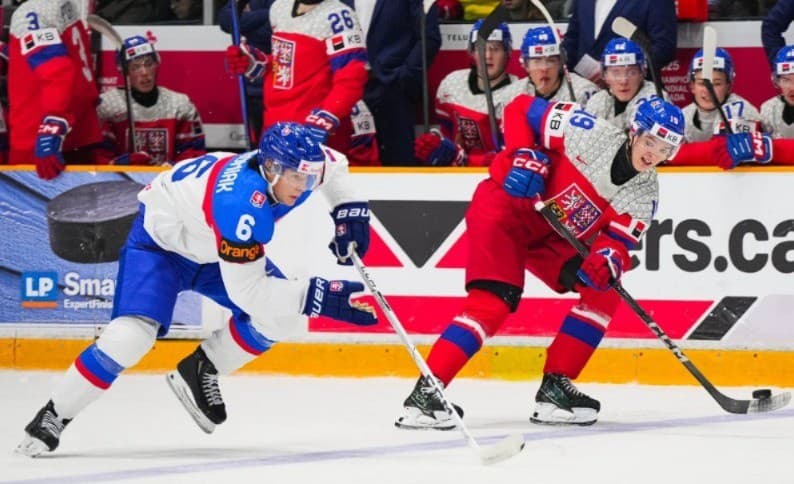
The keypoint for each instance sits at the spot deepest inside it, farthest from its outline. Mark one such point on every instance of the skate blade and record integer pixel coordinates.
(183, 393)
(502, 450)
(550, 414)
(31, 447)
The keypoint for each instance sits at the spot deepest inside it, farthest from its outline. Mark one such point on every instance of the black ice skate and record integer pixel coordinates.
(559, 402)
(43, 433)
(195, 383)
(424, 409)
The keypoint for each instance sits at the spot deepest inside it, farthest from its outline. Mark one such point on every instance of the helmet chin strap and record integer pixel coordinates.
(271, 193)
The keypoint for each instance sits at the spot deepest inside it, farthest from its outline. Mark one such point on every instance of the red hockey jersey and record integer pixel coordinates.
(51, 73)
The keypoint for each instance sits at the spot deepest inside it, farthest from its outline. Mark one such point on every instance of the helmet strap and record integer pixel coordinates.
(270, 183)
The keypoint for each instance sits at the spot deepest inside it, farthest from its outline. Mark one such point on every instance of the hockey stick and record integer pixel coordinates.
(497, 16)
(625, 28)
(105, 28)
(426, 6)
(241, 77)
(502, 450)
(707, 73)
(756, 405)
(563, 58)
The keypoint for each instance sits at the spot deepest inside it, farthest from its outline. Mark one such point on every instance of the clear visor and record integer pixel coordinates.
(307, 177)
(661, 148)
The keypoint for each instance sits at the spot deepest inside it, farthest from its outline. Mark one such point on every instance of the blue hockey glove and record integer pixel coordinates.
(527, 177)
(433, 149)
(49, 142)
(321, 124)
(332, 299)
(749, 148)
(352, 226)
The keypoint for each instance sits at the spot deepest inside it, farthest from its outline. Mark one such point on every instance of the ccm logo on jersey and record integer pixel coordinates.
(240, 251)
(39, 38)
(344, 41)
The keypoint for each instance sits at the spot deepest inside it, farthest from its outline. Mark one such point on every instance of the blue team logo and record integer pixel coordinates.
(39, 290)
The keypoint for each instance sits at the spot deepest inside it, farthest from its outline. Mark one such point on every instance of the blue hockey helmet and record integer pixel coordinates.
(500, 33)
(722, 62)
(289, 150)
(539, 42)
(621, 51)
(659, 118)
(135, 47)
(784, 61)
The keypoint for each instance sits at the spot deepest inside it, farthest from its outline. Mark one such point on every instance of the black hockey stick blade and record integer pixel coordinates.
(498, 15)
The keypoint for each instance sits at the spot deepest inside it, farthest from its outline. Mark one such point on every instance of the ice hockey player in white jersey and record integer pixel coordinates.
(546, 79)
(203, 226)
(777, 113)
(465, 138)
(702, 118)
(624, 68)
(167, 124)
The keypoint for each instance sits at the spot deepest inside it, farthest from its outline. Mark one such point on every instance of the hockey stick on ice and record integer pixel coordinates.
(563, 58)
(707, 73)
(625, 28)
(106, 29)
(241, 77)
(502, 450)
(756, 405)
(498, 15)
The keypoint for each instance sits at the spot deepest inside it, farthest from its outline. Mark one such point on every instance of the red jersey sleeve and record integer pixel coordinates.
(348, 58)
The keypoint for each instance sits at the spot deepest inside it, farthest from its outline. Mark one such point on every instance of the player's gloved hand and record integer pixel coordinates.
(352, 227)
(753, 147)
(245, 60)
(138, 158)
(527, 177)
(49, 142)
(321, 124)
(433, 149)
(603, 266)
(332, 299)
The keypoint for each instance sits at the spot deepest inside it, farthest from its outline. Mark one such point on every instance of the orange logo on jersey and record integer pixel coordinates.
(239, 251)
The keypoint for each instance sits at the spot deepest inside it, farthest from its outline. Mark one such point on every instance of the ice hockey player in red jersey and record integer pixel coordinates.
(316, 72)
(52, 94)
(167, 124)
(465, 138)
(602, 185)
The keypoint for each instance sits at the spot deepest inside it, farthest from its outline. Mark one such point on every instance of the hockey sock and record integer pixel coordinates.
(482, 315)
(122, 344)
(579, 336)
(234, 345)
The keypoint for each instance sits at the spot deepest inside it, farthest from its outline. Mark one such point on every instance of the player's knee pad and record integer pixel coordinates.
(486, 309)
(602, 303)
(126, 339)
(508, 293)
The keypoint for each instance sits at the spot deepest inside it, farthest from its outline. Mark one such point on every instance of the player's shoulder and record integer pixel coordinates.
(178, 102)
(770, 104)
(736, 98)
(689, 110)
(111, 104)
(334, 6)
(453, 82)
(39, 15)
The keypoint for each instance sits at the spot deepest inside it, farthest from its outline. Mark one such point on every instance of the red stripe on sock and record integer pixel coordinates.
(90, 376)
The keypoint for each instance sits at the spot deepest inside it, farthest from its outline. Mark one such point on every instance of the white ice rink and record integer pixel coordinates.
(311, 430)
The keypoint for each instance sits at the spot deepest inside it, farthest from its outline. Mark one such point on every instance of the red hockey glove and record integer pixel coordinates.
(321, 124)
(604, 265)
(245, 60)
(433, 149)
(49, 142)
(138, 158)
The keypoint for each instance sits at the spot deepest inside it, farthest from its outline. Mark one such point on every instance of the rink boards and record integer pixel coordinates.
(714, 271)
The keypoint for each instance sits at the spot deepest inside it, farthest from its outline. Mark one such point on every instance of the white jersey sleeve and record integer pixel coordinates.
(772, 121)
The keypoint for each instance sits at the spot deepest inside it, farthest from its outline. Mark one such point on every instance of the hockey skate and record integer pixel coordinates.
(195, 383)
(559, 402)
(424, 410)
(43, 433)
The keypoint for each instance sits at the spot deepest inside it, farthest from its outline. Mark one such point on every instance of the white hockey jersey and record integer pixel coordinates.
(602, 104)
(772, 119)
(582, 89)
(742, 115)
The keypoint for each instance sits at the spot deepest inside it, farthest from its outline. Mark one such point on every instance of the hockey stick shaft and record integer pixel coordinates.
(106, 29)
(425, 89)
(489, 23)
(707, 73)
(625, 28)
(240, 77)
(728, 404)
(563, 58)
(505, 449)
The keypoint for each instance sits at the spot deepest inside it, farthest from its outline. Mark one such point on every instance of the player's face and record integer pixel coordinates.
(289, 186)
(495, 59)
(647, 151)
(143, 73)
(624, 82)
(786, 85)
(722, 88)
(544, 72)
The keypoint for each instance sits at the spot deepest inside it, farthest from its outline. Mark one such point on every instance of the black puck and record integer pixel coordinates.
(762, 393)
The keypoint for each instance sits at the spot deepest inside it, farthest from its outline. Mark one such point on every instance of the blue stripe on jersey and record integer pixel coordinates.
(462, 337)
(40, 56)
(341, 60)
(272, 270)
(251, 338)
(535, 114)
(100, 364)
(587, 333)
(629, 244)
